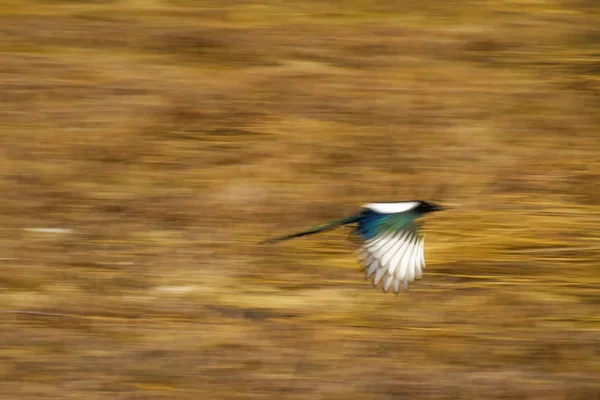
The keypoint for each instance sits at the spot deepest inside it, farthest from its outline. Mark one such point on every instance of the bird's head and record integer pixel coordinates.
(427, 207)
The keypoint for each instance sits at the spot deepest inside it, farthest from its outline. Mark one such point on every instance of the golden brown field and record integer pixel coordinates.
(168, 137)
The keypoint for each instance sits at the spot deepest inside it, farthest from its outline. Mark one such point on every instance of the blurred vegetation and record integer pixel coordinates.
(167, 137)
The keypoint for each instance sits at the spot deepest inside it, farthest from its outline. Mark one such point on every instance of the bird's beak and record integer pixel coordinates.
(438, 207)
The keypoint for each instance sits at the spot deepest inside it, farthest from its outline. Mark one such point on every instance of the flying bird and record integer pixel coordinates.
(391, 247)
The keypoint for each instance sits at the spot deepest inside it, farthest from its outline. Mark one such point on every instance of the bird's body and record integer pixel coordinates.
(391, 248)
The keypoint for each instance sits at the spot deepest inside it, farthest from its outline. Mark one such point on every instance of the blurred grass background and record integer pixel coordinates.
(167, 137)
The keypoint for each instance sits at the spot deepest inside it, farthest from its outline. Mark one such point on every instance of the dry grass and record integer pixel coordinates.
(171, 136)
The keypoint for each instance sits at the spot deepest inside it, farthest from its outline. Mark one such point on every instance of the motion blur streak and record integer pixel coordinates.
(146, 146)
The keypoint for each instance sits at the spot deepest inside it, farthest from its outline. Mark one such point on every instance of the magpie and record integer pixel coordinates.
(391, 247)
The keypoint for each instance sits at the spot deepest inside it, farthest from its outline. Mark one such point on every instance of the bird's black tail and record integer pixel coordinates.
(320, 228)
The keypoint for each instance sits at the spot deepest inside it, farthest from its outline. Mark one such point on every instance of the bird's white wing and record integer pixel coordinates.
(394, 258)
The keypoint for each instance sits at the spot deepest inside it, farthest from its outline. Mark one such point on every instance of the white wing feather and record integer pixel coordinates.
(420, 262)
(387, 258)
(393, 258)
(412, 265)
(423, 252)
(406, 258)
